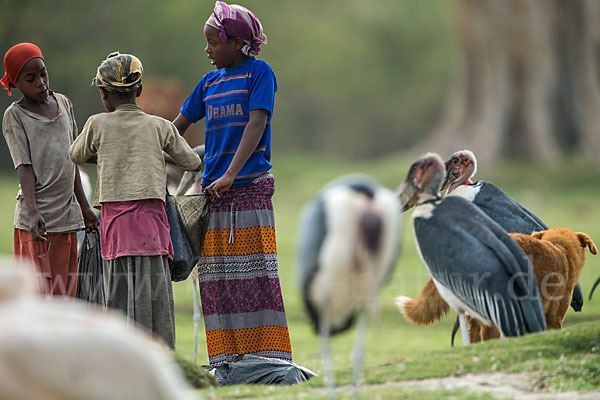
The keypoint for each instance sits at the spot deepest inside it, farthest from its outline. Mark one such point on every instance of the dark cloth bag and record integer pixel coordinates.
(252, 369)
(90, 278)
(188, 222)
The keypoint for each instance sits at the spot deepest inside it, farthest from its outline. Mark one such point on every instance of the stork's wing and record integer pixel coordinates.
(577, 298)
(312, 227)
(512, 216)
(311, 234)
(482, 265)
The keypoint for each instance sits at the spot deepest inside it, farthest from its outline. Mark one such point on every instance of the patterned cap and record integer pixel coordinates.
(119, 73)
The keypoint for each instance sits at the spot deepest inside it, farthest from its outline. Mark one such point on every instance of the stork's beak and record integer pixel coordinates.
(450, 183)
(454, 178)
(445, 184)
(186, 182)
(408, 194)
(190, 177)
(453, 186)
(450, 177)
(200, 151)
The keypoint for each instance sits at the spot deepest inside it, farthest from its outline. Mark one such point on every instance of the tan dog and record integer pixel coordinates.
(558, 256)
(428, 307)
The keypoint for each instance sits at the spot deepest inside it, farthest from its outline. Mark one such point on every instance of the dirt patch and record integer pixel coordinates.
(499, 384)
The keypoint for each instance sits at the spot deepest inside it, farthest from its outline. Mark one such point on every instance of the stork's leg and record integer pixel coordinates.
(359, 352)
(196, 311)
(327, 364)
(464, 330)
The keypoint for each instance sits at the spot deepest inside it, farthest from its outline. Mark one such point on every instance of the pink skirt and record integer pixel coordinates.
(134, 228)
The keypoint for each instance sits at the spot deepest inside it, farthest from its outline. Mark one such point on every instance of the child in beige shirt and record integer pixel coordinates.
(130, 191)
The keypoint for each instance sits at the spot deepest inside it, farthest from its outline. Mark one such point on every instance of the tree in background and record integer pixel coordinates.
(356, 79)
(528, 84)
(359, 79)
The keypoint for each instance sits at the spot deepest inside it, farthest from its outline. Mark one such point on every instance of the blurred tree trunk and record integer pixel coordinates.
(528, 84)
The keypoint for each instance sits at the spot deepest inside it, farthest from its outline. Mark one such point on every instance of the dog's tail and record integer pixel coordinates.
(428, 307)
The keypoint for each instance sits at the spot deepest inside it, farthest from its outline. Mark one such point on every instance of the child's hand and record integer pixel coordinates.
(37, 227)
(219, 186)
(90, 220)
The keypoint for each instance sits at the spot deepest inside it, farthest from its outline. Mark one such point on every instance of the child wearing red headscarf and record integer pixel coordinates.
(51, 205)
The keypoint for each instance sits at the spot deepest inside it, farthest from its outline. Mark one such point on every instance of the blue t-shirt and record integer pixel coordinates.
(225, 97)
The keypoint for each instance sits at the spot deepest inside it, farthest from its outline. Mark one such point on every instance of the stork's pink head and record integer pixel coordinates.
(425, 176)
(460, 167)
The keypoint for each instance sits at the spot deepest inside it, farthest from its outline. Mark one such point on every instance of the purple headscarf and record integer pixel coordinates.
(238, 22)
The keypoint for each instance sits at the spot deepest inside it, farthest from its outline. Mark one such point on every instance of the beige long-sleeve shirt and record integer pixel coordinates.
(129, 144)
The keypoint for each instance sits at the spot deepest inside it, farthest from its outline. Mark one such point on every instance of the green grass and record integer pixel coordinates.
(559, 360)
(562, 195)
(197, 376)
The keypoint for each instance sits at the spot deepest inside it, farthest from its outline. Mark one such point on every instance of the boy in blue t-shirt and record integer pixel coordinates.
(239, 281)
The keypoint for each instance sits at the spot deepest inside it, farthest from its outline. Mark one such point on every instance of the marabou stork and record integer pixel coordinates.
(349, 241)
(478, 269)
(493, 201)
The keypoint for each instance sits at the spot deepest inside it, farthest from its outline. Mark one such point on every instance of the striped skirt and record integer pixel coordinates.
(239, 280)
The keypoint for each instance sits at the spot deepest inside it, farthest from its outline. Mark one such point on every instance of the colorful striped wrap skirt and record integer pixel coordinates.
(238, 276)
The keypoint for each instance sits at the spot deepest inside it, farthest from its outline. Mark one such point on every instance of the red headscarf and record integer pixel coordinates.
(14, 60)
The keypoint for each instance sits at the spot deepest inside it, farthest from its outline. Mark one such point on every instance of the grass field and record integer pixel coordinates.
(561, 195)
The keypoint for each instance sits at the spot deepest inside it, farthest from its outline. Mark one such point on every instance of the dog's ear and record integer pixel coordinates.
(538, 235)
(587, 241)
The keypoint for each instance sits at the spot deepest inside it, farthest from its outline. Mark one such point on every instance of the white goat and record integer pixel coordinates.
(63, 349)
